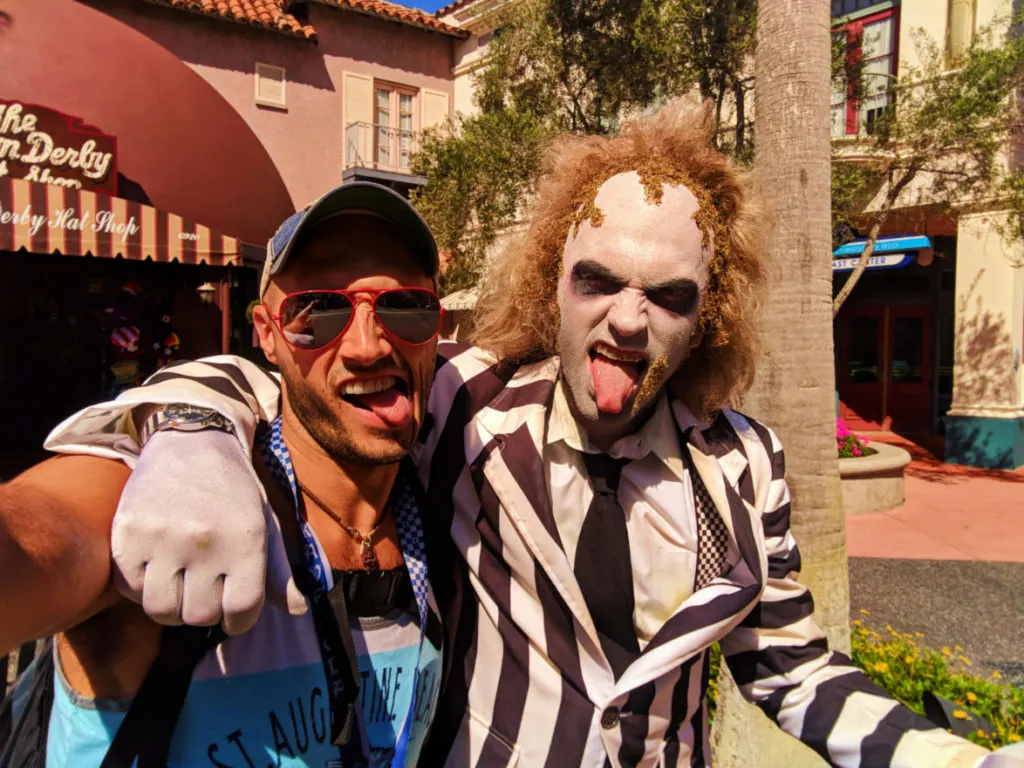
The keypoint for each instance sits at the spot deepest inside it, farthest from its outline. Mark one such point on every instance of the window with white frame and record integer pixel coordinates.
(871, 46)
(395, 120)
(270, 85)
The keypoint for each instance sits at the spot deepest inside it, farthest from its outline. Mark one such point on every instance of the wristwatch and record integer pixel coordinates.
(184, 418)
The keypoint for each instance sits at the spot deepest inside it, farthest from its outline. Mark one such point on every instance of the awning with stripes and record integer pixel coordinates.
(45, 218)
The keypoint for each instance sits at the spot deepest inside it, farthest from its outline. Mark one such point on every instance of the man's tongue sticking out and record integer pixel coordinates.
(615, 381)
(391, 406)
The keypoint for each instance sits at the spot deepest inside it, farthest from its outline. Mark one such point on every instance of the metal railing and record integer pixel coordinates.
(369, 145)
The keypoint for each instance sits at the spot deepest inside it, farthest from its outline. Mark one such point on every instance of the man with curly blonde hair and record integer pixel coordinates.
(612, 515)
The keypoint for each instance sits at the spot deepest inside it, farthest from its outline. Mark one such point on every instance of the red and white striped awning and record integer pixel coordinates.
(44, 218)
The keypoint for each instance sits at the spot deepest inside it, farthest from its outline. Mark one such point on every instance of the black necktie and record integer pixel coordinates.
(603, 566)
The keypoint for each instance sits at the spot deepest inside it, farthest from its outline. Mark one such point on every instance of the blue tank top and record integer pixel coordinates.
(259, 700)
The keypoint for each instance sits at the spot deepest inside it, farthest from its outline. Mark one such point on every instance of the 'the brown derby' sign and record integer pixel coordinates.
(44, 145)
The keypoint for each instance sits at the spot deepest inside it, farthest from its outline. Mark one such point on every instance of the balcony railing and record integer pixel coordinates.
(368, 145)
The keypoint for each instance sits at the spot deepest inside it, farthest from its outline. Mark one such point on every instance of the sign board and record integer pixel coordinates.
(886, 244)
(46, 146)
(876, 261)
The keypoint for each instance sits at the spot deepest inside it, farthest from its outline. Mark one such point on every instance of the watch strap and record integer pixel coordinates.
(197, 420)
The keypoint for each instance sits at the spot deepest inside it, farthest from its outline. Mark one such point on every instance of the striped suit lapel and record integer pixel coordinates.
(516, 422)
(713, 611)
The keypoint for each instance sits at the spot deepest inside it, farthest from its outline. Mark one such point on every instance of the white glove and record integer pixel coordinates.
(1010, 756)
(190, 537)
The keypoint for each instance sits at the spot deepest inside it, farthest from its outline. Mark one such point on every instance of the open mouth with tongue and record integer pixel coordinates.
(385, 401)
(616, 375)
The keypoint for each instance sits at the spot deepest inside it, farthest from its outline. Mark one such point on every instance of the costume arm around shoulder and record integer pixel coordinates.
(54, 545)
(233, 386)
(193, 539)
(465, 380)
(781, 661)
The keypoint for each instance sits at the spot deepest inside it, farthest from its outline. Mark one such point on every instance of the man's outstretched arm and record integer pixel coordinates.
(194, 504)
(55, 545)
(781, 661)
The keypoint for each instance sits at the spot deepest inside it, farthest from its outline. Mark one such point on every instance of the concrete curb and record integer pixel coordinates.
(874, 483)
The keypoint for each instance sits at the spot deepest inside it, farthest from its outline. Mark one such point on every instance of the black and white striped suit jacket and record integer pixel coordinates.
(527, 682)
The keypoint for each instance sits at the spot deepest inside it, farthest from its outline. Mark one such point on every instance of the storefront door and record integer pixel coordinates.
(884, 373)
(861, 370)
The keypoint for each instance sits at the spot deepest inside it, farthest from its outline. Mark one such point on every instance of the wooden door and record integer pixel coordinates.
(861, 372)
(909, 360)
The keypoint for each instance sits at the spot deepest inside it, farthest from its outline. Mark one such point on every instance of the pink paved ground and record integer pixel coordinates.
(950, 513)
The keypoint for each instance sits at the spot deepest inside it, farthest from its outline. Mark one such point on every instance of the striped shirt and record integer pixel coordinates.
(530, 684)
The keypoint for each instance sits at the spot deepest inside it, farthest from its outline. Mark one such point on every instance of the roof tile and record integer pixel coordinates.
(268, 14)
(273, 15)
(451, 8)
(400, 13)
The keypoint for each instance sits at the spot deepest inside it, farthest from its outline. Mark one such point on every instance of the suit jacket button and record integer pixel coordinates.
(610, 718)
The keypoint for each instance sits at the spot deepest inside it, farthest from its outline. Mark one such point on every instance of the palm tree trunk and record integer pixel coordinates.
(796, 381)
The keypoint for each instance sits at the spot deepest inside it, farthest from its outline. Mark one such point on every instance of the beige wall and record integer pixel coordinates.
(480, 19)
(933, 17)
(989, 320)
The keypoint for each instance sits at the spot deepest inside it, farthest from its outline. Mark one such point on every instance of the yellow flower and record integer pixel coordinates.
(996, 674)
(959, 714)
(971, 698)
(918, 634)
(965, 660)
(959, 648)
(881, 667)
(908, 659)
(946, 651)
(865, 611)
(857, 622)
(980, 733)
(1014, 738)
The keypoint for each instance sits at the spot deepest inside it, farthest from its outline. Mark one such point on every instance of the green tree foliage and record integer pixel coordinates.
(707, 45)
(557, 65)
(582, 65)
(477, 174)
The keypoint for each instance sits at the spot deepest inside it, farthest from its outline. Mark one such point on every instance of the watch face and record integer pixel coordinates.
(181, 412)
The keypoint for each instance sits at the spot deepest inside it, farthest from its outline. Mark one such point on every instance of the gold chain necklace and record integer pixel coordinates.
(365, 541)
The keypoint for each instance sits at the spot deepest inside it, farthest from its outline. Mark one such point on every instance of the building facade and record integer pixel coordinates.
(229, 115)
(929, 341)
(164, 141)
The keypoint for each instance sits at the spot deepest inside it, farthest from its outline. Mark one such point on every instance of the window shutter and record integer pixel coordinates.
(270, 85)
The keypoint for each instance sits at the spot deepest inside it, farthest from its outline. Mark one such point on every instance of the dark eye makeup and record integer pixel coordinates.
(592, 279)
(589, 279)
(680, 297)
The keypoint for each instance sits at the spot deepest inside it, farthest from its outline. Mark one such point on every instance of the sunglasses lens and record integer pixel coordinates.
(409, 314)
(314, 319)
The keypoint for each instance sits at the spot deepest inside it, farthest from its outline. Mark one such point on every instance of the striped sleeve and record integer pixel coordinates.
(781, 661)
(466, 379)
(236, 388)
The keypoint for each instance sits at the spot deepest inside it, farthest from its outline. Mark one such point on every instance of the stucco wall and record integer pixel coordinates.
(306, 138)
(989, 320)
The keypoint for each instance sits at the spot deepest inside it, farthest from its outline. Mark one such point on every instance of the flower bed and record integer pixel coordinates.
(850, 445)
(872, 476)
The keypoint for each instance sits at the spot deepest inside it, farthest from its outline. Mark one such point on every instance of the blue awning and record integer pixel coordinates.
(890, 252)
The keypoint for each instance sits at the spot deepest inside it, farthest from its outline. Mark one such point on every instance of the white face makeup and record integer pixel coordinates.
(630, 295)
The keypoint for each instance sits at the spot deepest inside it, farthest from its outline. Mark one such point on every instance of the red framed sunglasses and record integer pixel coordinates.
(311, 320)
